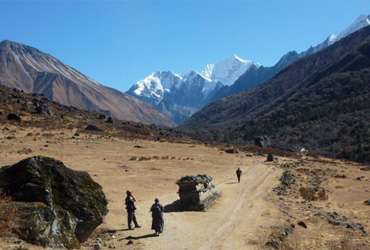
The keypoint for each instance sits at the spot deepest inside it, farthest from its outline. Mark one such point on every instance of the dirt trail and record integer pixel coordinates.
(233, 223)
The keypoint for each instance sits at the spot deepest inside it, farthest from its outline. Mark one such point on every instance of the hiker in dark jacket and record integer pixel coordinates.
(130, 208)
(239, 174)
(157, 217)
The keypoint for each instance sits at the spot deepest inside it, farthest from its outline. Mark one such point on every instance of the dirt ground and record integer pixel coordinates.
(244, 217)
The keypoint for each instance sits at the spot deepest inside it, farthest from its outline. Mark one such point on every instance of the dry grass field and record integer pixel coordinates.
(246, 216)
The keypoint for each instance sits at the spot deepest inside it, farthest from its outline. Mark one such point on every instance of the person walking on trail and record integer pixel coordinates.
(157, 217)
(239, 174)
(130, 208)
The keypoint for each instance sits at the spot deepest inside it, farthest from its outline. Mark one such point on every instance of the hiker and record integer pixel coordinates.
(239, 174)
(130, 207)
(157, 217)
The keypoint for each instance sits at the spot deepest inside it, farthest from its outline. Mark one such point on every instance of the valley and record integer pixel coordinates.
(80, 159)
(248, 215)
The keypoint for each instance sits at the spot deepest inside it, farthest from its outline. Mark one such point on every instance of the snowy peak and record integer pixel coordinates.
(360, 22)
(228, 70)
(193, 75)
(154, 86)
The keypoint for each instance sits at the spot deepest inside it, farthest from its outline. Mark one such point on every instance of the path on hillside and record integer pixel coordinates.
(232, 223)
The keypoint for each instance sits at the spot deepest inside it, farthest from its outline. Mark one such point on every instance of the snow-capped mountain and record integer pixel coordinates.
(255, 76)
(153, 87)
(181, 95)
(359, 23)
(228, 70)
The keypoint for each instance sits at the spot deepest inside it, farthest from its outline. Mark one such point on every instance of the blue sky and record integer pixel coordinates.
(118, 42)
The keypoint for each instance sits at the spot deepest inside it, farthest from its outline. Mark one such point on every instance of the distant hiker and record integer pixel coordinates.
(157, 217)
(239, 174)
(130, 207)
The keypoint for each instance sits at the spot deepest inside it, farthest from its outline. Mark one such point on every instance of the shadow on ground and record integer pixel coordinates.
(141, 237)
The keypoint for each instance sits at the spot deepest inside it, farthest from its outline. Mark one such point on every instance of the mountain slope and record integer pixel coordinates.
(255, 76)
(320, 102)
(33, 71)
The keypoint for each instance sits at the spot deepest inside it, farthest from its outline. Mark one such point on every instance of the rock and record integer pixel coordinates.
(130, 242)
(269, 157)
(197, 193)
(287, 178)
(92, 127)
(231, 150)
(278, 235)
(55, 206)
(262, 141)
(302, 224)
(13, 117)
(367, 202)
(97, 246)
(339, 220)
(42, 108)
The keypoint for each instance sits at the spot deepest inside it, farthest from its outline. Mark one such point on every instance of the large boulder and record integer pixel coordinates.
(55, 206)
(197, 193)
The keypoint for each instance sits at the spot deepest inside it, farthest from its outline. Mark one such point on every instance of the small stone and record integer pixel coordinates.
(92, 127)
(14, 117)
(231, 150)
(302, 224)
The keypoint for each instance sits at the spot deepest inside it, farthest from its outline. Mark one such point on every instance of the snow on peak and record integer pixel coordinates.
(360, 22)
(155, 85)
(236, 57)
(191, 75)
(228, 70)
(332, 39)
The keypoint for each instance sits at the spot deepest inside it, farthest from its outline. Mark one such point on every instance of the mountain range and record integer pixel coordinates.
(180, 96)
(320, 102)
(33, 71)
(229, 76)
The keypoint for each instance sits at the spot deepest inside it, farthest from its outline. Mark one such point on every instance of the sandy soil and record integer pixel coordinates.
(243, 217)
